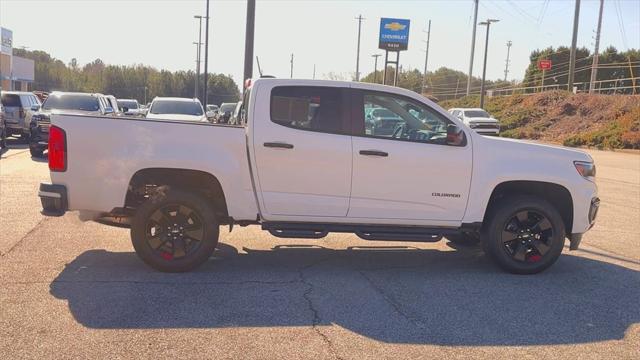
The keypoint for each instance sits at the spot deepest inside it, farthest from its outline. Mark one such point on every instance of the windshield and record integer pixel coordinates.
(227, 107)
(176, 107)
(212, 107)
(129, 104)
(11, 100)
(71, 102)
(476, 114)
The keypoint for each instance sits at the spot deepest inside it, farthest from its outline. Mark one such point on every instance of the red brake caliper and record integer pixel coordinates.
(167, 256)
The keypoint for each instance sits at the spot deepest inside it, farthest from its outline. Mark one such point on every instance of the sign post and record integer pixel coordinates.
(394, 37)
(543, 65)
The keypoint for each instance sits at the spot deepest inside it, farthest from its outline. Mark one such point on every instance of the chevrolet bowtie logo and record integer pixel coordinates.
(394, 26)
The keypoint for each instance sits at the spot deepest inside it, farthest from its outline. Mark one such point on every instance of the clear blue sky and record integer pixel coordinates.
(160, 32)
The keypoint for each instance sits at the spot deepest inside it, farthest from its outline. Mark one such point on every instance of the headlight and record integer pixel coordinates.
(586, 169)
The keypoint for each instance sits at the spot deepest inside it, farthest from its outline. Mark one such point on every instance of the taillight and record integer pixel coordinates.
(57, 149)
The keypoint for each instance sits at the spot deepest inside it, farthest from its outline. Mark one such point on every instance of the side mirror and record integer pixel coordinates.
(108, 110)
(35, 107)
(455, 135)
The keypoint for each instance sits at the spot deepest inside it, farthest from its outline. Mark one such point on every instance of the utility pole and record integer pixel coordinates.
(292, 66)
(359, 18)
(473, 46)
(484, 67)
(248, 41)
(206, 59)
(574, 40)
(197, 90)
(426, 57)
(594, 65)
(314, 71)
(506, 66)
(375, 67)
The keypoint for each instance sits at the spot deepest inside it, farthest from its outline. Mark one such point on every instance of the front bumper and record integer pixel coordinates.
(54, 199)
(576, 238)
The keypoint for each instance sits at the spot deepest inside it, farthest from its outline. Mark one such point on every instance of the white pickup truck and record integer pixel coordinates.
(301, 164)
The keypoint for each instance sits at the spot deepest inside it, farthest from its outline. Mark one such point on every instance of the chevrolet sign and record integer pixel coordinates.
(394, 34)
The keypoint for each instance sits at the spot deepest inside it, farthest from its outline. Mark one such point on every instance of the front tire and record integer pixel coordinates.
(525, 234)
(174, 230)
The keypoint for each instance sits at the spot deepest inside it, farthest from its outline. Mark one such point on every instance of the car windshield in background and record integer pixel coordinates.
(476, 113)
(176, 107)
(11, 100)
(129, 104)
(227, 107)
(71, 102)
(383, 113)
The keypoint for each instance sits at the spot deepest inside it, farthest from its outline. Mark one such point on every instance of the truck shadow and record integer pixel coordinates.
(390, 294)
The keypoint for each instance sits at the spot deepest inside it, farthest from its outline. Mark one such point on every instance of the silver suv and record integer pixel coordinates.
(19, 107)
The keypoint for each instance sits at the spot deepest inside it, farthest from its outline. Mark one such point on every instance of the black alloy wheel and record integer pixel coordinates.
(174, 231)
(527, 236)
(524, 234)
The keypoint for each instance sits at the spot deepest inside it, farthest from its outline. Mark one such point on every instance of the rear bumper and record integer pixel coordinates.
(54, 199)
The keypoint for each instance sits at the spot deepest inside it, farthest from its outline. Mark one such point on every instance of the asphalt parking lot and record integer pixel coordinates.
(72, 289)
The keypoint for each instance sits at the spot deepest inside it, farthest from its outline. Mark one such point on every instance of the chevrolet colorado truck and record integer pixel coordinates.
(301, 164)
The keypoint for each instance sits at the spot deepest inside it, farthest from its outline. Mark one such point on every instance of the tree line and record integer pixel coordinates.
(139, 82)
(144, 82)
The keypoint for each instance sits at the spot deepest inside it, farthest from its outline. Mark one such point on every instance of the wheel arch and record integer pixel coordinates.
(204, 183)
(558, 195)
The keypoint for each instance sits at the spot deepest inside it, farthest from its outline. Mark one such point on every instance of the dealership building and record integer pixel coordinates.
(16, 73)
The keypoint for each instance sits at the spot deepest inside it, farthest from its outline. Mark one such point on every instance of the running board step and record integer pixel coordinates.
(298, 233)
(398, 236)
(366, 232)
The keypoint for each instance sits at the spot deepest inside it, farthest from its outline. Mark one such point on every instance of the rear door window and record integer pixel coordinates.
(11, 100)
(311, 108)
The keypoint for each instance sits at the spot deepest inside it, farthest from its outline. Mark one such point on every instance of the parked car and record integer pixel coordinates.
(477, 119)
(3, 129)
(304, 166)
(381, 121)
(212, 110)
(129, 107)
(68, 103)
(235, 116)
(224, 113)
(19, 106)
(175, 108)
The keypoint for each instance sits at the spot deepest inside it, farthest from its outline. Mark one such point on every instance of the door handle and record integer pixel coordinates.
(278, 145)
(374, 153)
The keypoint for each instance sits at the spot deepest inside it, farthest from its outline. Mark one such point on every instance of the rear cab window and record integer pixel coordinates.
(312, 108)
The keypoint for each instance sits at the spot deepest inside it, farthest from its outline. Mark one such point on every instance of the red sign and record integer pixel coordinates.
(544, 64)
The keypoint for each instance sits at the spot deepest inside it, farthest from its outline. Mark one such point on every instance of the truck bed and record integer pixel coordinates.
(110, 150)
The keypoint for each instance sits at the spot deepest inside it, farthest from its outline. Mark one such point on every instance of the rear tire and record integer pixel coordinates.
(174, 230)
(524, 234)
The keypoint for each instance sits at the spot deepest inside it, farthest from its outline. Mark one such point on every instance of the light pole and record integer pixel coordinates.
(359, 18)
(375, 67)
(486, 23)
(199, 43)
(206, 59)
